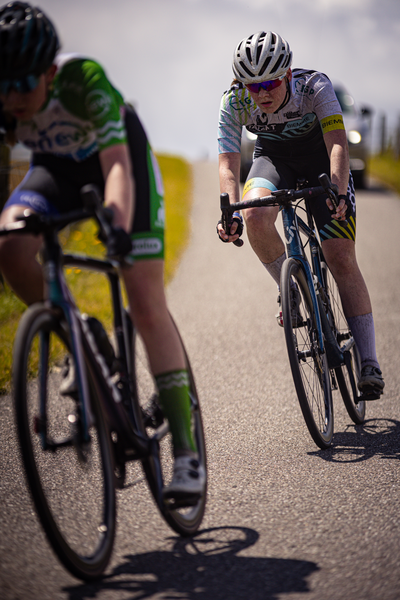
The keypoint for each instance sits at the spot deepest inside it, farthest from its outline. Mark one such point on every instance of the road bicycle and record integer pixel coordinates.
(321, 349)
(85, 407)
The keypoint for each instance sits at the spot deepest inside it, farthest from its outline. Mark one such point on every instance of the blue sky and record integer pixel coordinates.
(172, 58)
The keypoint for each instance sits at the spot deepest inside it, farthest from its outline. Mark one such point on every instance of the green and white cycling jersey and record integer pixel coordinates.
(296, 129)
(83, 114)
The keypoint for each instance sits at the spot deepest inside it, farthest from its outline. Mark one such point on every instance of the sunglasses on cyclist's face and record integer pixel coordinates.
(268, 86)
(23, 85)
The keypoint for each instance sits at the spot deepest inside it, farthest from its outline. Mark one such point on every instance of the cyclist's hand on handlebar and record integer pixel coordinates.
(235, 229)
(339, 214)
(118, 242)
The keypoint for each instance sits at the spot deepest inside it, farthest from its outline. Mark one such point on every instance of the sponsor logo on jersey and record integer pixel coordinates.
(37, 202)
(292, 115)
(157, 174)
(304, 89)
(160, 220)
(240, 103)
(331, 123)
(98, 103)
(60, 137)
(300, 124)
(146, 246)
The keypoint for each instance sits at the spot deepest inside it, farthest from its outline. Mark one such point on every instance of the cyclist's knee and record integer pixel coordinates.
(18, 256)
(341, 257)
(260, 220)
(11, 253)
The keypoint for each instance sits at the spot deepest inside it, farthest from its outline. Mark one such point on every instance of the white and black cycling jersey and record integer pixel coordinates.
(297, 128)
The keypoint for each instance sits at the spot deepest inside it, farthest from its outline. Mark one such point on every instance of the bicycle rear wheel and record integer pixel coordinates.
(348, 375)
(159, 468)
(309, 367)
(71, 482)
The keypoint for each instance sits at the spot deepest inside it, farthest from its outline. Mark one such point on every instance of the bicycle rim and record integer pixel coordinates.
(184, 521)
(72, 485)
(351, 370)
(309, 367)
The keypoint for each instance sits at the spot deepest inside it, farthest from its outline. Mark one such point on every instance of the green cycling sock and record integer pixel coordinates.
(173, 389)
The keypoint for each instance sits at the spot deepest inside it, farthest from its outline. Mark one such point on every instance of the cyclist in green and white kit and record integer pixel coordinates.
(80, 131)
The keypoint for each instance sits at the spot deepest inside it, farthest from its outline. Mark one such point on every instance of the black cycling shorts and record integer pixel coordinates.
(53, 183)
(281, 173)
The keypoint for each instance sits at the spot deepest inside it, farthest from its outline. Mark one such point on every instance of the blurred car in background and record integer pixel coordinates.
(358, 123)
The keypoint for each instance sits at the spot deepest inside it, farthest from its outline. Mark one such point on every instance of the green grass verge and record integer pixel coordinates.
(91, 289)
(386, 169)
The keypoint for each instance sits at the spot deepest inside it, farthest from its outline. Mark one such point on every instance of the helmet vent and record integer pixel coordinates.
(265, 66)
(277, 64)
(246, 70)
(248, 54)
(259, 51)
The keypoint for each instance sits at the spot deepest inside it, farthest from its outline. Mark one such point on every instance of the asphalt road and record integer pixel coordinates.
(284, 520)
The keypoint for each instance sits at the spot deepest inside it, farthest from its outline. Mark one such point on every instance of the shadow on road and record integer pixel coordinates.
(375, 437)
(203, 567)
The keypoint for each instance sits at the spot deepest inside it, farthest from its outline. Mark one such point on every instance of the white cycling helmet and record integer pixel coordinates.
(262, 56)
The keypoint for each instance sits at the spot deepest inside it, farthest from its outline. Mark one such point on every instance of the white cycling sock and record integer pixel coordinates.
(363, 330)
(274, 268)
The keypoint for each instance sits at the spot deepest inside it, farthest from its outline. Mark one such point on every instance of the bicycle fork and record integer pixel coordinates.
(326, 340)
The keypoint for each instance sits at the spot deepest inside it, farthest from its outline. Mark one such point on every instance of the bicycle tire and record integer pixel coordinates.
(352, 370)
(72, 486)
(184, 521)
(309, 367)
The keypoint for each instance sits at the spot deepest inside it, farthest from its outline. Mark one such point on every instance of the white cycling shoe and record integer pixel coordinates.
(295, 299)
(188, 481)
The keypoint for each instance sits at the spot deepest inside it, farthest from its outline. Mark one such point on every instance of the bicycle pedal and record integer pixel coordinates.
(296, 324)
(370, 394)
(184, 501)
(279, 319)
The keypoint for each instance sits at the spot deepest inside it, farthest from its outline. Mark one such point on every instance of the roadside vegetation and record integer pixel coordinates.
(91, 289)
(386, 169)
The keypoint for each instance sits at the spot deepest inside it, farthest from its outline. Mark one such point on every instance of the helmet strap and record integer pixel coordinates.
(287, 96)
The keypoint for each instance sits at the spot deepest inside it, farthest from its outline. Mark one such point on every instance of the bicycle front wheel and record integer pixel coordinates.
(71, 481)
(348, 375)
(309, 367)
(159, 468)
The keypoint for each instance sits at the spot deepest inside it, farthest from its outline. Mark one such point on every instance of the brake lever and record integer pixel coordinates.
(331, 190)
(91, 198)
(226, 221)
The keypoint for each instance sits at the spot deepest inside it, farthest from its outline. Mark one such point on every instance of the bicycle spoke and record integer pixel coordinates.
(352, 370)
(183, 520)
(71, 481)
(309, 367)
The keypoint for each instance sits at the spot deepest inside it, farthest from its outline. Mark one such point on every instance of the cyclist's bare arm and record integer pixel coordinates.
(229, 178)
(338, 152)
(119, 186)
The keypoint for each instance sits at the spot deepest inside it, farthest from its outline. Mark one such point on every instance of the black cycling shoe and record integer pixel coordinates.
(371, 383)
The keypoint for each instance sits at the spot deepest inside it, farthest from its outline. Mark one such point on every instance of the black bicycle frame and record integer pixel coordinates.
(83, 344)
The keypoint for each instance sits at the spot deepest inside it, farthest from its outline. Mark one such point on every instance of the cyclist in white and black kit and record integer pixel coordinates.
(80, 131)
(300, 134)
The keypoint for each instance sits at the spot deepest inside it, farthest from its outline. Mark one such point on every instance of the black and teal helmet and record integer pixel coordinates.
(28, 41)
